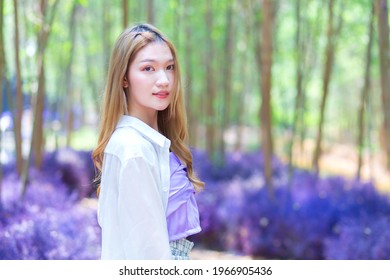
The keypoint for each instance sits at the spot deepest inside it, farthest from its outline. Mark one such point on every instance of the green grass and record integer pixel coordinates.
(84, 138)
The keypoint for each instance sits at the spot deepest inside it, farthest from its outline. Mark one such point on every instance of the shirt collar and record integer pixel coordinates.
(145, 130)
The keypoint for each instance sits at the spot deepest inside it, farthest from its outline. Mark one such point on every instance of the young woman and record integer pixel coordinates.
(146, 203)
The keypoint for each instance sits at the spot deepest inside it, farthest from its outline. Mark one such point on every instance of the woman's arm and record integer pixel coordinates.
(143, 227)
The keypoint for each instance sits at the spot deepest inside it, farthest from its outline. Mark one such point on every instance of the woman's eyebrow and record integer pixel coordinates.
(155, 60)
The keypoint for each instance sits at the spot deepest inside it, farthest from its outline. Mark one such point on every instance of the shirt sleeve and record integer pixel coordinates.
(143, 227)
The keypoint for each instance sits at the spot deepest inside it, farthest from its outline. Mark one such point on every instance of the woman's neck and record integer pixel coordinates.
(149, 119)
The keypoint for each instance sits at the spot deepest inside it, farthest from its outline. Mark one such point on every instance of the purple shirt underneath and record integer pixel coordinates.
(182, 210)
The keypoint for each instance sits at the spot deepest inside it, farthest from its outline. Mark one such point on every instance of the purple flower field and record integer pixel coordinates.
(308, 218)
(55, 219)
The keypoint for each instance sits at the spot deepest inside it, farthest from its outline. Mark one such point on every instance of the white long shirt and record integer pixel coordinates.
(134, 193)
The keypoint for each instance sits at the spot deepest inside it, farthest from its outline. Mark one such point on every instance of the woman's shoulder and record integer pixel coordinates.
(176, 163)
(127, 143)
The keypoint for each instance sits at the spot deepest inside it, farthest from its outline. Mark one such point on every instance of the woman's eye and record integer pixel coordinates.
(148, 68)
(171, 67)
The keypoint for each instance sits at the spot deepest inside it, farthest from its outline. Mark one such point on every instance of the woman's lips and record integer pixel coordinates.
(161, 94)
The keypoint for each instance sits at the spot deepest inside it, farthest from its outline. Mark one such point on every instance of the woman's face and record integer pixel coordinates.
(150, 79)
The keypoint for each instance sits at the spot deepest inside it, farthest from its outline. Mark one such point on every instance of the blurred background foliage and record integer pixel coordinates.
(305, 82)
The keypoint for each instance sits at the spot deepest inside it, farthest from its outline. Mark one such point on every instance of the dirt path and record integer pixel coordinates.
(204, 254)
(341, 159)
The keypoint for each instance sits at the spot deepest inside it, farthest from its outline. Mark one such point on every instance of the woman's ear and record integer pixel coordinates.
(125, 83)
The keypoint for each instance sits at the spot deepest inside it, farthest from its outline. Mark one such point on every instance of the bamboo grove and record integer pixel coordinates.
(269, 74)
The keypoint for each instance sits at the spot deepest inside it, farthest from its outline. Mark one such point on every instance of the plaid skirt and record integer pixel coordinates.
(180, 249)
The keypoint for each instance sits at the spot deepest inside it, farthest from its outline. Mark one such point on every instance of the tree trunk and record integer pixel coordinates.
(43, 37)
(150, 12)
(383, 36)
(19, 97)
(125, 13)
(38, 138)
(189, 98)
(245, 73)
(68, 77)
(299, 91)
(228, 74)
(177, 16)
(106, 42)
(2, 71)
(305, 62)
(364, 94)
(265, 80)
(92, 81)
(332, 33)
(210, 85)
(36, 146)
(309, 45)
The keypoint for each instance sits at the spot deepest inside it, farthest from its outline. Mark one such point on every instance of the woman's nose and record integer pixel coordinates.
(162, 78)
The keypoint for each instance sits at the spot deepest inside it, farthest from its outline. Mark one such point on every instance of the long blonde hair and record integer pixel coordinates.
(172, 121)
